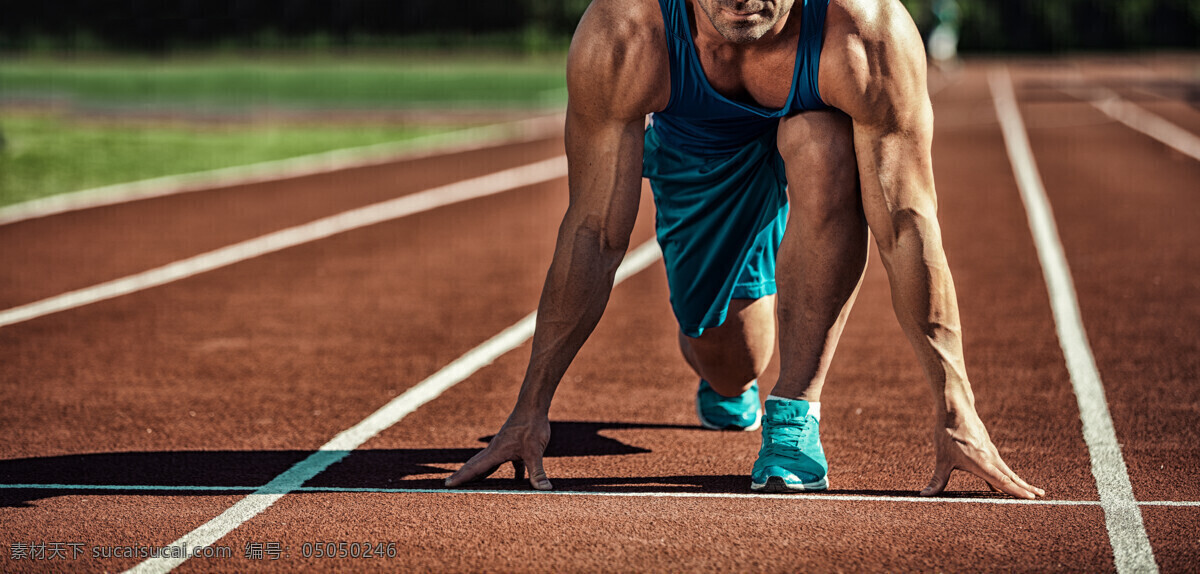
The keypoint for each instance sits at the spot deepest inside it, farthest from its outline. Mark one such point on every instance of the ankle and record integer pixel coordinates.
(814, 407)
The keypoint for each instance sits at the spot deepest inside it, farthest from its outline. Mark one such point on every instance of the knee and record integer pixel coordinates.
(729, 373)
(758, 364)
(726, 362)
(747, 364)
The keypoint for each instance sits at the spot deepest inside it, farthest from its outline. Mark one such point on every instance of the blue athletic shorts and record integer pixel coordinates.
(719, 223)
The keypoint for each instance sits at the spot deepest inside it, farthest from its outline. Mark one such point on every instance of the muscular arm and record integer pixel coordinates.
(886, 97)
(611, 86)
(884, 92)
(615, 73)
(604, 158)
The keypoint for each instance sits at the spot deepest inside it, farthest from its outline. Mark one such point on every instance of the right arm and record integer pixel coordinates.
(616, 74)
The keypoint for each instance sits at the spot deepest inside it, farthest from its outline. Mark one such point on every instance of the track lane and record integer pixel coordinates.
(53, 255)
(1182, 114)
(1164, 85)
(1175, 537)
(1125, 215)
(1126, 208)
(230, 379)
(531, 533)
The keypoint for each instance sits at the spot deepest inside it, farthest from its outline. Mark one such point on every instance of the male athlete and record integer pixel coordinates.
(809, 113)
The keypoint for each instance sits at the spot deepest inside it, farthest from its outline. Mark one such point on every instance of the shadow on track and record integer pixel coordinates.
(239, 472)
(382, 468)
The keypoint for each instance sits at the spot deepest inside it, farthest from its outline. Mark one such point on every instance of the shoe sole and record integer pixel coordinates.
(757, 422)
(776, 484)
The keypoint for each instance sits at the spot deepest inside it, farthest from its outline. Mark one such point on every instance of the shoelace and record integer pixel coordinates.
(787, 439)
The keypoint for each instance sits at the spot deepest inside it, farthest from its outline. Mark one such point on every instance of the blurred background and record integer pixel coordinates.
(94, 93)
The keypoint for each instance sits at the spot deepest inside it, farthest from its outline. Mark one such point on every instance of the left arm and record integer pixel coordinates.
(878, 77)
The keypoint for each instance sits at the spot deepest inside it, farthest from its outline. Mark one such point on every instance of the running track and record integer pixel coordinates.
(143, 418)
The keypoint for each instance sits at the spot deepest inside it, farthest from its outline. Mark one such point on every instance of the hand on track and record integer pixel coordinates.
(520, 441)
(968, 447)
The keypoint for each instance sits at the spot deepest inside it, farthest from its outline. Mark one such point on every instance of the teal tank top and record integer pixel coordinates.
(701, 121)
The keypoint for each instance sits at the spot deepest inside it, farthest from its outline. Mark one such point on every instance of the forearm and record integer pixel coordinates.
(900, 203)
(926, 306)
(576, 292)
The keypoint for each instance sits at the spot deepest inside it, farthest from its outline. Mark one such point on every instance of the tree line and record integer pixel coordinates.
(161, 25)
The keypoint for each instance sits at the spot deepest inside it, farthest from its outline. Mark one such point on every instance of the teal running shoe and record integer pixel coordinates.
(740, 413)
(791, 458)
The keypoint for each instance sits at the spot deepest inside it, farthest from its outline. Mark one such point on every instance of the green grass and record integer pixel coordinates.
(54, 154)
(375, 83)
(47, 155)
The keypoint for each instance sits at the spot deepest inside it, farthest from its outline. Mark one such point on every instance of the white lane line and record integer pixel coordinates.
(490, 184)
(1195, 503)
(1131, 547)
(799, 497)
(625, 494)
(126, 487)
(1142, 120)
(334, 160)
(391, 413)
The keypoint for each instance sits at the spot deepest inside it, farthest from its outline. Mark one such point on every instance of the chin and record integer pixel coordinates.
(742, 29)
(743, 34)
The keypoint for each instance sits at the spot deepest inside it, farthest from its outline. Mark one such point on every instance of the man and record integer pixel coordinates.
(761, 110)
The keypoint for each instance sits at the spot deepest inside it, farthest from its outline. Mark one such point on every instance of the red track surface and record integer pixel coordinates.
(230, 377)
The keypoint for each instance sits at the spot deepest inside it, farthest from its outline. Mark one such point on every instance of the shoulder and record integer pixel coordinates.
(873, 58)
(618, 61)
(871, 17)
